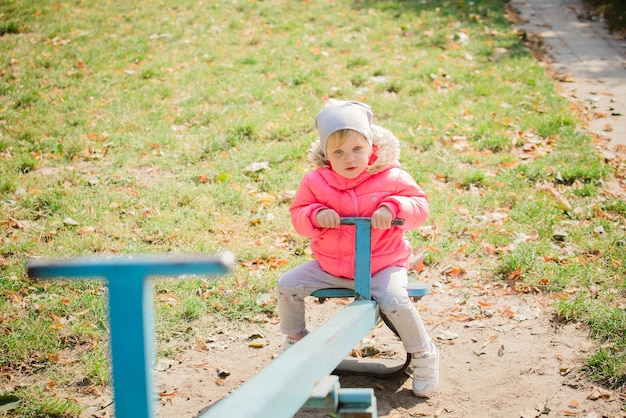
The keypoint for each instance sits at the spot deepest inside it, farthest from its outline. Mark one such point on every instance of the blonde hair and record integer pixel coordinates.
(337, 138)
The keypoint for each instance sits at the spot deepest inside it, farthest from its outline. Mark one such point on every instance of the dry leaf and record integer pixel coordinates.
(257, 166)
(598, 393)
(58, 321)
(86, 230)
(205, 365)
(454, 271)
(200, 345)
(491, 339)
(277, 262)
(561, 201)
(514, 275)
(416, 260)
(256, 345)
(168, 394)
(459, 251)
(16, 223)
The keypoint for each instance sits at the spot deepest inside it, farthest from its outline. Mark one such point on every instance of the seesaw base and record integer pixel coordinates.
(373, 367)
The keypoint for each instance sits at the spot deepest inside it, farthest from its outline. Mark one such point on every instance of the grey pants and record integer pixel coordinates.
(388, 288)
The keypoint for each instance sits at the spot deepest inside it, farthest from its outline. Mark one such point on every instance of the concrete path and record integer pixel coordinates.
(590, 63)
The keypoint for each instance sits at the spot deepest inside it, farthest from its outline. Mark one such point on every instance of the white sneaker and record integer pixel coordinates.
(425, 372)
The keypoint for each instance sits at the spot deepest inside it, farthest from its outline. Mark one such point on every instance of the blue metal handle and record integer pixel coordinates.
(363, 254)
(356, 219)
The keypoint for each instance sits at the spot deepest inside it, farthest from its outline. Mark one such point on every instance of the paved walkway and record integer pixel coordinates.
(592, 62)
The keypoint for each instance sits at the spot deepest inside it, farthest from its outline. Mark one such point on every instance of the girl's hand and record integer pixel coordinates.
(328, 218)
(381, 218)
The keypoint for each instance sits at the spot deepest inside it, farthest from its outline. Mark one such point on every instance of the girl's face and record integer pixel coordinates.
(348, 159)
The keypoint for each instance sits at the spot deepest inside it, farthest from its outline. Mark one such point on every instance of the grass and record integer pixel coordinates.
(135, 127)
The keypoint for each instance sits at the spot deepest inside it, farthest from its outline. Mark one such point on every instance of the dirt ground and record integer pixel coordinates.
(502, 355)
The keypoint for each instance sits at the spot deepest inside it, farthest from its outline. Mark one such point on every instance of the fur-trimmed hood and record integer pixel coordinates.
(385, 144)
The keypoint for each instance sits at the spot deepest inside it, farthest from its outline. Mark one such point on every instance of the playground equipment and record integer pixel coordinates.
(299, 377)
(378, 368)
(131, 314)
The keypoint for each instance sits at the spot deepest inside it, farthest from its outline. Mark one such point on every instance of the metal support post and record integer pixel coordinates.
(131, 314)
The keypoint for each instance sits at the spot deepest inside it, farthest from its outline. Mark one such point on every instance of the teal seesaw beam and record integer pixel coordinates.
(285, 385)
(131, 313)
(299, 376)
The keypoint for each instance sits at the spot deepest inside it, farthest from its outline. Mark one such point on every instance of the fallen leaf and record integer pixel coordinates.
(200, 345)
(563, 203)
(257, 166)
(490, 339)
(16, 224)
(598, 393)
(459, 251)
(454, 271)
(416, 259)
(256, 345)
(58, 321)
(447, 335)
(168, 394)
(277, 262)
(514, 275)
(204, 365)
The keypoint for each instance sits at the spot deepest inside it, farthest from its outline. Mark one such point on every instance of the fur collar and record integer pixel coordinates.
(386, 147)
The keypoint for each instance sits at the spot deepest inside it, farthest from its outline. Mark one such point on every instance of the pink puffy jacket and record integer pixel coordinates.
(384, 182)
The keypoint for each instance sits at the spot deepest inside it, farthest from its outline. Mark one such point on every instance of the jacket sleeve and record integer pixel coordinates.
(408, 202)
(304, 209)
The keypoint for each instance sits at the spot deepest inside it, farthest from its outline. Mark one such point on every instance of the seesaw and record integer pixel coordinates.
(300, 377)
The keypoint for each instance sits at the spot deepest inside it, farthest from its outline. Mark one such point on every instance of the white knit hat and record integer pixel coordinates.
(340, 114)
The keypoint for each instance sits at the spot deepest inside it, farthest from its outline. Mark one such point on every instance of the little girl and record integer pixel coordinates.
(358, 175)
